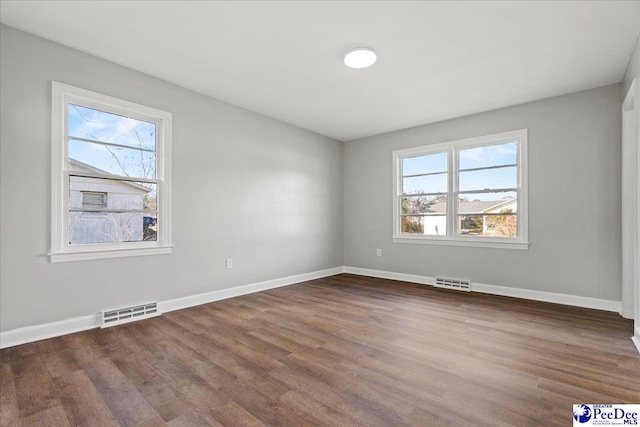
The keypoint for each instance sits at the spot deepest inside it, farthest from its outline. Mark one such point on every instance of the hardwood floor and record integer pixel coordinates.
(345, 350)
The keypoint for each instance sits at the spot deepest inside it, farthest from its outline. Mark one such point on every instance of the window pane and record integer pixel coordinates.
(425, 184)
(432, 225)
(489, 179)
(98, 125)
(117, 194)
(488, 214)
(111, 227)
(491, 155)
(504, 225)
(480, 203)
(424, 204)
(424, 164)
(89, 157)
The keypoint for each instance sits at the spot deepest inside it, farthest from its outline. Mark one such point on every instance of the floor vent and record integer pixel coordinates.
(460, 285)
(129, 314)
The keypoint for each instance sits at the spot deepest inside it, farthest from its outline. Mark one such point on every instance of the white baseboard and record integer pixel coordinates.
(82, 323)
(412, 278)
(192, 300)
(68, 326)
(574, 300)
(636, 338)
(578, 301)
(48, 330)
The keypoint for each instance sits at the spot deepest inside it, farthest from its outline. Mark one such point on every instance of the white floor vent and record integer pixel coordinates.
(129, 314)
(460, 285)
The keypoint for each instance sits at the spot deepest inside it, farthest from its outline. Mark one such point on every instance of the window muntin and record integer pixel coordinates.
(111, 177)
(111, 159)
(423, 195)
(500, 177)
(488, 190)
(488, 214)
(485, 156)
(432, 163)
(433, 183)
(94, 124)
(104, 151)
(471, 192)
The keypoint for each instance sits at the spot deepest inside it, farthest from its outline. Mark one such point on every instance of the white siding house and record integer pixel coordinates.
(89, 225)
(479, 217)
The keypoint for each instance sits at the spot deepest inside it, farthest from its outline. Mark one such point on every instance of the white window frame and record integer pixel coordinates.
(452, 148)
(61, 250)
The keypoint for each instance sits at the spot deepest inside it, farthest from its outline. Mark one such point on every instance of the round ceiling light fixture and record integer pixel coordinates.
(361, 57)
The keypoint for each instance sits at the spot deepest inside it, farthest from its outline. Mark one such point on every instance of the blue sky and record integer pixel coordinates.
(101, 126)
(494, 155)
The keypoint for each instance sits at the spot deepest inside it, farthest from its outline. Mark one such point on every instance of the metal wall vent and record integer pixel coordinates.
(129, 314)
(460, 285)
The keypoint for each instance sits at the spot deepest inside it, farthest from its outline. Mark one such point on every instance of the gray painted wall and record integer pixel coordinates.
(270, 195)
(633, 69)
(265, 193)
(574, 199)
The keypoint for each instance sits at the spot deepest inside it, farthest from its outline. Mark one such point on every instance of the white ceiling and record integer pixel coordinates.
(437, 60)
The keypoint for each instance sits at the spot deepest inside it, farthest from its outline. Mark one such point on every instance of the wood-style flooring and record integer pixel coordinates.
(340, 351)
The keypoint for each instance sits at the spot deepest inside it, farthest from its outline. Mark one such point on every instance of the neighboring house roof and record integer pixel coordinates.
(83, 166)
(503, 203)
(474, 207)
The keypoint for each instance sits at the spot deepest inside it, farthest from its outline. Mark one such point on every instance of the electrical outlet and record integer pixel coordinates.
(229, 263)
(379, 252)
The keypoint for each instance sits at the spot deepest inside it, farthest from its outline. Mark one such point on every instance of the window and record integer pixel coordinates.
(92, 201)
(471, 192)
(93, 204)
(111, 186)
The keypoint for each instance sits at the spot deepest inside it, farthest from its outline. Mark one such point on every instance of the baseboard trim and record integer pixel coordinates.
(207, 297)
(48, 330)
(77, 324)
(63, 327)
(564, 299)
(573, 300)
(636, 338)
(403, 277)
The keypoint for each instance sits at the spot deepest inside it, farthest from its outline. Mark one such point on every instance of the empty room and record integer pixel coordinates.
(319, 213)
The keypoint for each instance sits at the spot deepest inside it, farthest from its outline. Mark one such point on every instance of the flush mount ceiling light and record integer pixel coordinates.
(361, 57)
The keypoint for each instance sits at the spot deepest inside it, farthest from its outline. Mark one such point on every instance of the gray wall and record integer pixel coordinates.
(633, 69)
(265, 193)
(574, 199)
(270, 195)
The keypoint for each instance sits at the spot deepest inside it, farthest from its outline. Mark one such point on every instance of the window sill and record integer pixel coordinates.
(107, 253)
(468, 243)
